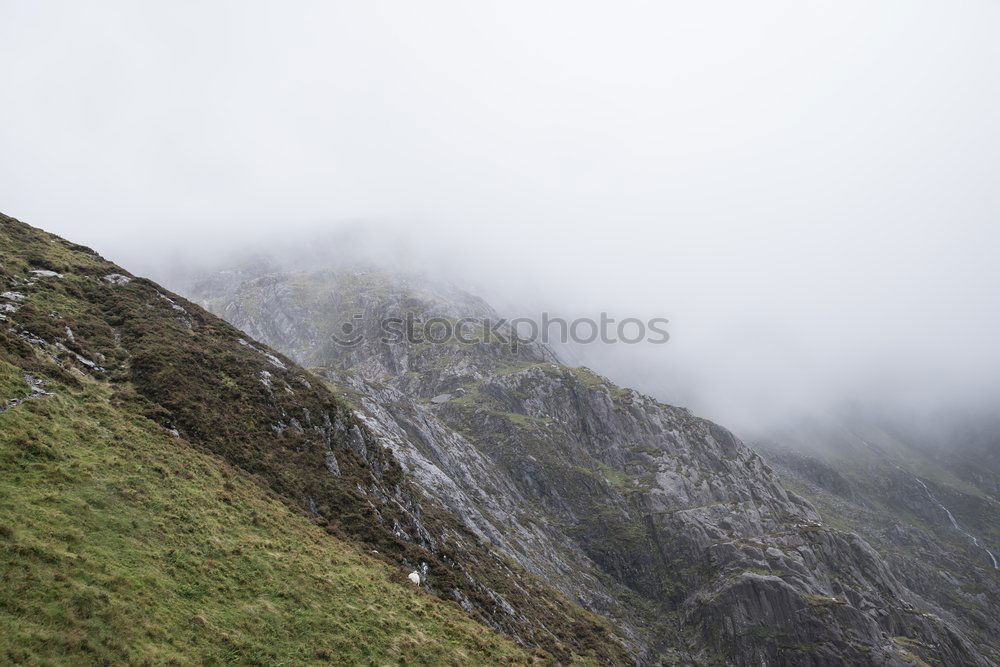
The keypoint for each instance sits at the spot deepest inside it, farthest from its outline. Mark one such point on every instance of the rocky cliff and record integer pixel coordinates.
(662, 522)
(921, 490)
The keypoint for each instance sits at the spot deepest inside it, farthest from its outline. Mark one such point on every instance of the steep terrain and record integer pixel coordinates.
(922, 490)
(122, 544)
(174, 490)
(662, 522)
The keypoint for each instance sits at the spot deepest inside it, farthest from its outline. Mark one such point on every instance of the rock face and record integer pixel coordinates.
(662, 522)
(923, 494)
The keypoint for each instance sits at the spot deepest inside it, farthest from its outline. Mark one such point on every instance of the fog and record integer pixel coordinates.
(806, 190)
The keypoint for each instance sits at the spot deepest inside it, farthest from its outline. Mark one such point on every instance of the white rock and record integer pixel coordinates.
(117, 279)
(265, 379)
(274, 360)
(45, 273)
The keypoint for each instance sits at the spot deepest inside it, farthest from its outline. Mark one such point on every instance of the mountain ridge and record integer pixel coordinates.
(688, 534)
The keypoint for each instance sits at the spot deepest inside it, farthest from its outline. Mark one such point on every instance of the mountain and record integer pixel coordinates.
(923, 491)
(174, 491)
(662, 522)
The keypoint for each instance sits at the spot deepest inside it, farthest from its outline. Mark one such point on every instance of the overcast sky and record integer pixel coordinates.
(807, 190)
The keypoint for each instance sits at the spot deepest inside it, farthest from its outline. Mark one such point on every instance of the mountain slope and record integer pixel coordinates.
(122, 544)
(72, 320)
(662, 522)
(921, 493)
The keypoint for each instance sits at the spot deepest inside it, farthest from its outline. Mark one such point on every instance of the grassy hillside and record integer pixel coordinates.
(122, 357)
(120, 543)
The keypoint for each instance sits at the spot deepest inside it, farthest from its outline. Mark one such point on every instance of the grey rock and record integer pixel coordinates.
(331, 463)
(607, 495)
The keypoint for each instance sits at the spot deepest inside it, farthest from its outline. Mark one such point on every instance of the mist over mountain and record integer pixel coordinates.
(752, 364)
(801, 467)
(805, 191)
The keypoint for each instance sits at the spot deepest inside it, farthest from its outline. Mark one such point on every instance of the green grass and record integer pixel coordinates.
(822, 600)
(121, 544)
(626, 483)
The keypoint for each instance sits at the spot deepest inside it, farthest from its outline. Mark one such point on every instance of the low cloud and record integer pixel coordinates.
(806, 192)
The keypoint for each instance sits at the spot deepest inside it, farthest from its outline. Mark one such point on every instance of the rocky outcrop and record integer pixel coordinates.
(915, 497)
(662, 522)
